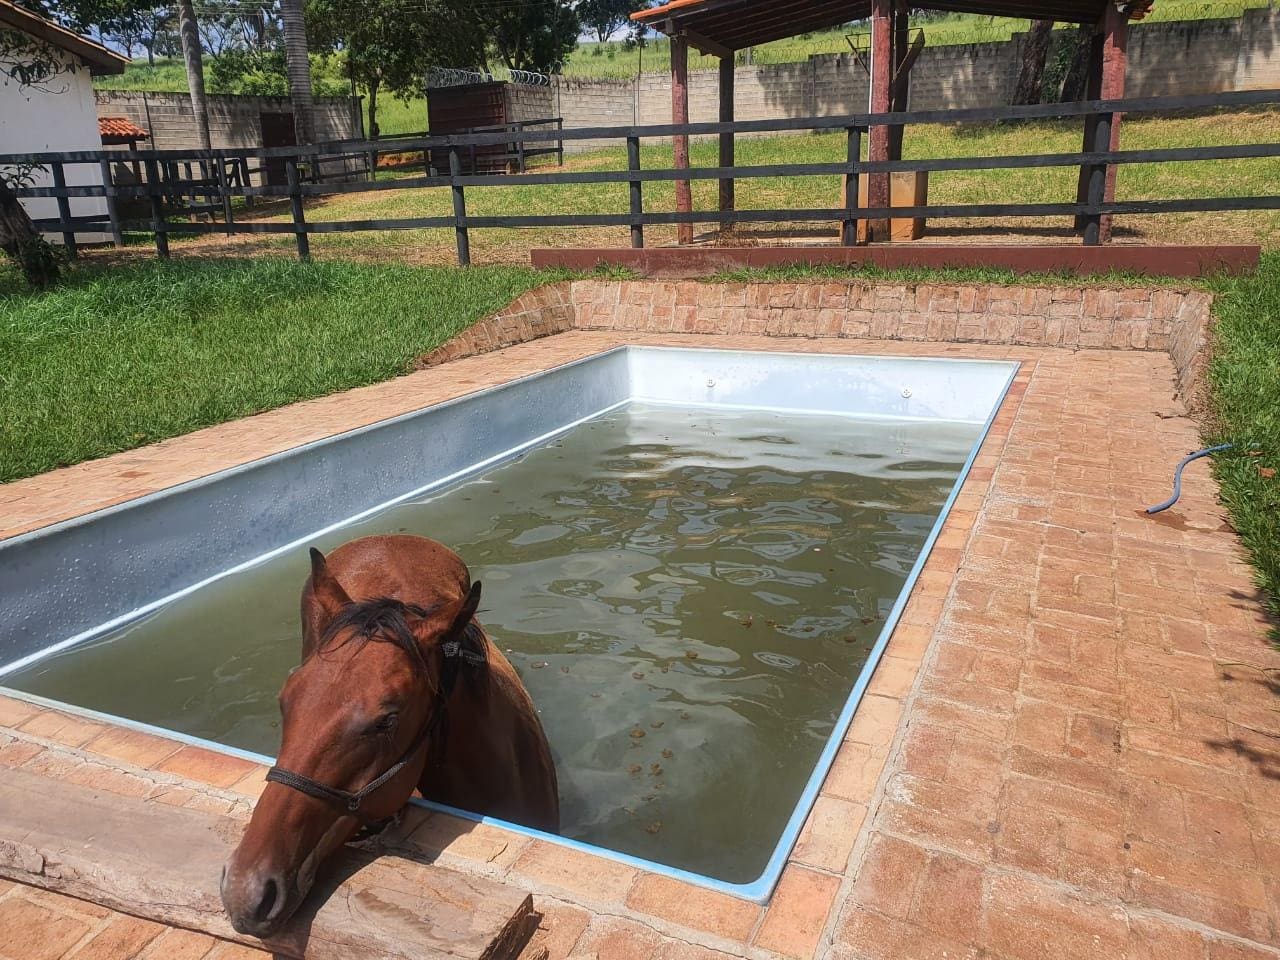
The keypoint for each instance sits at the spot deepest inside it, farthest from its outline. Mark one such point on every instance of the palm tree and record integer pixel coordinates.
(191, 53)
(298, 68)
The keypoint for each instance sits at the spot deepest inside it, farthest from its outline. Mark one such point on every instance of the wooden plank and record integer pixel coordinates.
(1160, 155)
(163, 863)
(1240, 98)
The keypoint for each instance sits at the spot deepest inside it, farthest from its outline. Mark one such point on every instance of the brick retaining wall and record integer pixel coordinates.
(1156, 319)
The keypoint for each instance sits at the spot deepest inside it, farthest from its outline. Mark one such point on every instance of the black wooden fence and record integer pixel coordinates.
(160, 193)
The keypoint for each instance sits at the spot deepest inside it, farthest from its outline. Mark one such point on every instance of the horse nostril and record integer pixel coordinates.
(266, 907)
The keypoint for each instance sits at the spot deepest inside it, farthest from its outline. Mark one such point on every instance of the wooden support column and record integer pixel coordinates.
(1092, 91)
(1115, 64)
(898, 82)
(881, 81)
(726, 139)
(1108, 65)
(680, 143)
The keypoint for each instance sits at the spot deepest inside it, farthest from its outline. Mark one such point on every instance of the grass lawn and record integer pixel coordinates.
(1245, 377)
(1244, 177)
(115, 358)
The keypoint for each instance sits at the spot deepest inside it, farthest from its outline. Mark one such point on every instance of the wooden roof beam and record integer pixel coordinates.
(707, 45)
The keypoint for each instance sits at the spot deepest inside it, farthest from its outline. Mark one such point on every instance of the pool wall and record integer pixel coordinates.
(72, 581)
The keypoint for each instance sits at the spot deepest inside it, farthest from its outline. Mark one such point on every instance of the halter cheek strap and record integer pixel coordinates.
(349, 803)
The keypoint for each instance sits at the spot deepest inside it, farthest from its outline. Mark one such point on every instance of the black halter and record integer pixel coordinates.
(348, 802)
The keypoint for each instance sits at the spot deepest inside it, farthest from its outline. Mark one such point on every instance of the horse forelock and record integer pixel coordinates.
(382, 619)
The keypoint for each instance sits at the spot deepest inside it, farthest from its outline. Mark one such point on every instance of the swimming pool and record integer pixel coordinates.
(661, 532)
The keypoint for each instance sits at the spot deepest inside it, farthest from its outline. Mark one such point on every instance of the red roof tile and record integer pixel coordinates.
(120, 128)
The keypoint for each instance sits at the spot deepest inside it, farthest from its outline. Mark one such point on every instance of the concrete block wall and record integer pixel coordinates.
(1206, 56)
(526, 102)
(234, 121)
(1165, 59)
(596, 103)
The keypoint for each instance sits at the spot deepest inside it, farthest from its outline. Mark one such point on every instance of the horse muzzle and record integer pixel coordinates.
(260, 901)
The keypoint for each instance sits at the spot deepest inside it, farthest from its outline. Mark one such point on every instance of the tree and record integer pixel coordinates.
(389, 49)
(535, 35)
(605, 17)
(1075, 82)
(1030, 83)
(193, 57)
(298, 68)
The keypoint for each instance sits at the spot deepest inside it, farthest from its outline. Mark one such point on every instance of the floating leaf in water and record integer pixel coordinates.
(653, 827)
(866, 620)
(637, 676)
(655, 769)
(564, 669)
(684, 714)
(634, 768)
(747, 620)
(667, 754)
(637, 733)
(538, 665)
(657, 724)
(691, 654)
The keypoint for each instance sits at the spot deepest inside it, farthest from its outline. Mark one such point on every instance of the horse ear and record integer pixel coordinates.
(323, 589)
(467, 610)
(446, 622)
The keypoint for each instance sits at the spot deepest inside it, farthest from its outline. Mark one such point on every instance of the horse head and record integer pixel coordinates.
(357, 717)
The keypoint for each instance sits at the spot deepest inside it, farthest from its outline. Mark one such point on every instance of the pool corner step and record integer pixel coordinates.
(162, 863)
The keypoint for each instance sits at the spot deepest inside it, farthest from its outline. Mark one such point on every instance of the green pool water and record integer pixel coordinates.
(689, 595)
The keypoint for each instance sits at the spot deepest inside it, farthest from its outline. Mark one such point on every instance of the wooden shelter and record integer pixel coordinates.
(721, 27)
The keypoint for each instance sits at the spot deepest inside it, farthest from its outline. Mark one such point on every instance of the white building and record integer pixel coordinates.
(59, 114)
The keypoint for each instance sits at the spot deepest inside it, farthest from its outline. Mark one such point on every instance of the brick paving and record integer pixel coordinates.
(1071, 750)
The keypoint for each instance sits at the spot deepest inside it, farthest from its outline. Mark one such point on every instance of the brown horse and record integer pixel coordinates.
(398, 688)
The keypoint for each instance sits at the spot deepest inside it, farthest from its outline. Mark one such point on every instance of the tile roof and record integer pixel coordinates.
(120, 128)
(719, 26)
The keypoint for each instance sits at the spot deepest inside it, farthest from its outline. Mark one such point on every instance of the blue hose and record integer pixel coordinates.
(1177, 475)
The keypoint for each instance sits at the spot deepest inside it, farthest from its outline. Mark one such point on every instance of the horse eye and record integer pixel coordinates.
(387, 723)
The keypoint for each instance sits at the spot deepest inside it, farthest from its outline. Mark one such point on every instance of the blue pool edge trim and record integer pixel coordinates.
(759, 890)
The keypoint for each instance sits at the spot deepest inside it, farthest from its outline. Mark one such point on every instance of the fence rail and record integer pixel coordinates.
(445, 159)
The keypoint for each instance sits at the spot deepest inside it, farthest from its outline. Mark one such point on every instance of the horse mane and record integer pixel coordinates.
(386, 620)
(382, 619)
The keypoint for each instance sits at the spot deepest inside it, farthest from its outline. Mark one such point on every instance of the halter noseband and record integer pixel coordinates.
(349, 803)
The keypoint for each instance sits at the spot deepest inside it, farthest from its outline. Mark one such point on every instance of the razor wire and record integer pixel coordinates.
(459, 77)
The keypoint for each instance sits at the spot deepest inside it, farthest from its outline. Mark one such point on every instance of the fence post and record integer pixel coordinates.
(109, 191)
(459, 208)
(519, 131)
(560, 143)
(157, 209)
(637, 202)
(1097, 181)
(64, 210)
(853, 156)
(295, 202)
(221, 166)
